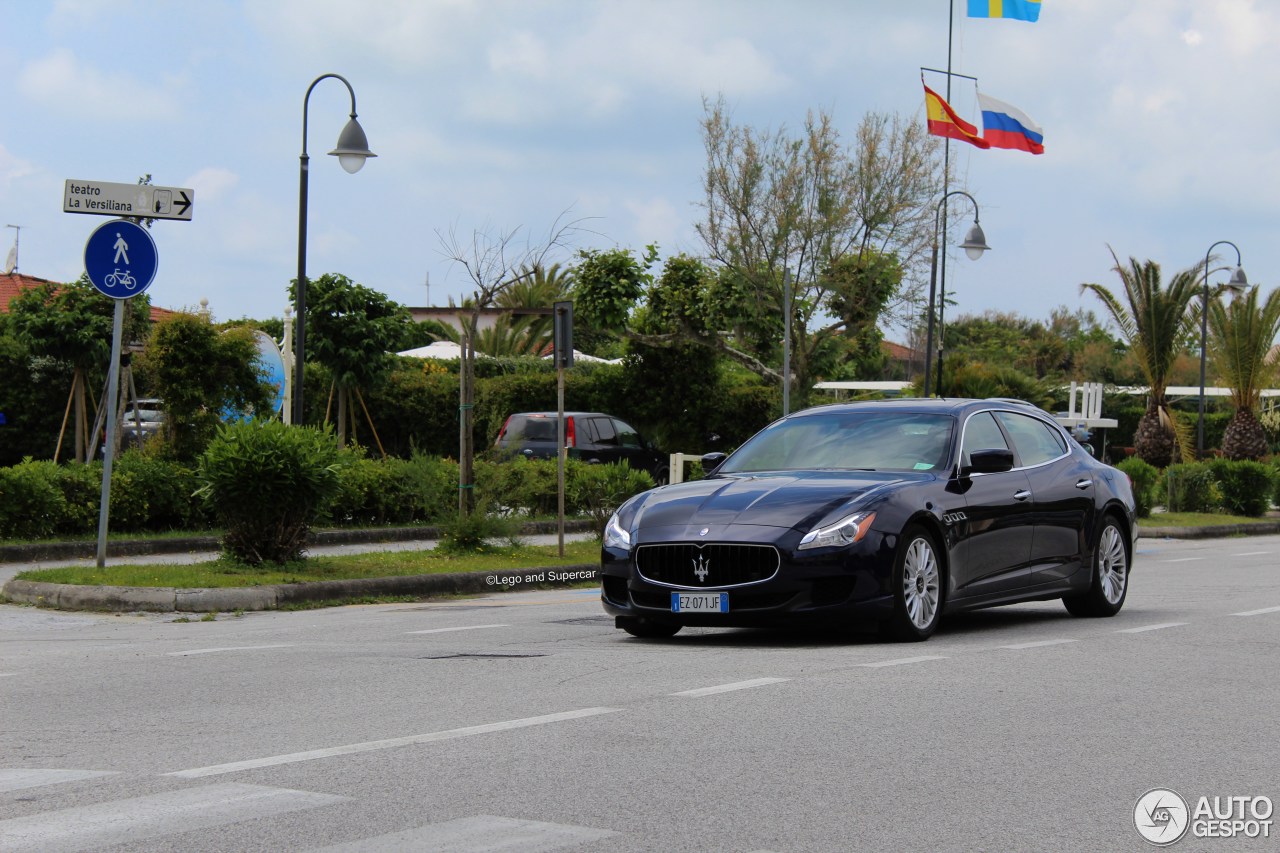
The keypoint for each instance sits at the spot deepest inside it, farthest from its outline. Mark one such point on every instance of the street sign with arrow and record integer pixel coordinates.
(138, 201)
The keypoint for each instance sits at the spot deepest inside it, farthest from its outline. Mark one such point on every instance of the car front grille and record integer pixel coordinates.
(710, 565)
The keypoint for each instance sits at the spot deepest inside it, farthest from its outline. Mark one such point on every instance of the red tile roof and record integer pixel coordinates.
(11, 284)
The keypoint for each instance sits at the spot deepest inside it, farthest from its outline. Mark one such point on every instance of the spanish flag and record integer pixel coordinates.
(943, 121)
(1017, 10)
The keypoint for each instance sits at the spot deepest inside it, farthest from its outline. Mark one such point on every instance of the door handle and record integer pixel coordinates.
(1083, 484)
(1021, 495)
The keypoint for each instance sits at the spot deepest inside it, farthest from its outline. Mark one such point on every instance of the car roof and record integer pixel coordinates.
(934, 405)
(555, 414)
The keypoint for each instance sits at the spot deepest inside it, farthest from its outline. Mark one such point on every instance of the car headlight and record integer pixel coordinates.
(615, 537)
(846, 531)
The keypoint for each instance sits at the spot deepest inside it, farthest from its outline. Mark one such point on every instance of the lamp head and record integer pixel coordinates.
(1239, 280)
(353, 147)
(975, 242)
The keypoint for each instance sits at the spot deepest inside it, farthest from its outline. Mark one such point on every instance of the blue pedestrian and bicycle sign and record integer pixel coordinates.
(121, 259)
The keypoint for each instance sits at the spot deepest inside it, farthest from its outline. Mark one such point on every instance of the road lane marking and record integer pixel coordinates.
(1252, 554)
(107, 824)
(227, 649)
(901, 661)
(1258, 612)
(18, 779)
(1037, 644)
(728, 688)
(1184, 560)
(1151, 628)
(481, 832)
(460, 628)
(389, 743)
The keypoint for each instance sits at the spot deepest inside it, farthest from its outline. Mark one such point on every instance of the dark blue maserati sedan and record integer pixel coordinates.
(888, 512)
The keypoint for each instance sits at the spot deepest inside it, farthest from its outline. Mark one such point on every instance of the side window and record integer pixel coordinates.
(982, 433)
(603, 428)
(1035, 440)
(627, 437)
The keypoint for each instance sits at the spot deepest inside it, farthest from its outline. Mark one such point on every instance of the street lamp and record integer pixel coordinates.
(352, 150)
(975, 243)
(1239, 281)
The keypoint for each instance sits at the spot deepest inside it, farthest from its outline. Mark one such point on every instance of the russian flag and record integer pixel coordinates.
(1006, 126)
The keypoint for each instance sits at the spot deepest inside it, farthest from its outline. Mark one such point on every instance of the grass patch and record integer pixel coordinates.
(1197, 519)
(224, 572)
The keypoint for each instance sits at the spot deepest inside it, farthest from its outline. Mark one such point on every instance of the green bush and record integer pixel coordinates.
(1146, 481)
(1246, 487)
(32, 505)
(598, 490)
(81, 487)
(522, 486)
(267, 484)
(1192, 487)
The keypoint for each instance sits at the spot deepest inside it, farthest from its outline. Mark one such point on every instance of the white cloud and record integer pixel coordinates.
(213, 183)
(60, 80)
(13, 168)
(1194, 38)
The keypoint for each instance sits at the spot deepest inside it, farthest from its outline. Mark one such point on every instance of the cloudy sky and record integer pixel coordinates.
(502, 115)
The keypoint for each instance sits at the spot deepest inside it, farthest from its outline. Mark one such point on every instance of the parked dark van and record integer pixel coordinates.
(589, 436)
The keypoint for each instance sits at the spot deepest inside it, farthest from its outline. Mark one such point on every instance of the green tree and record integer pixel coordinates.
(1242, 333)
(846, 224)
(351, 330)
(71, 324)
(1156, 321)
(202, 374)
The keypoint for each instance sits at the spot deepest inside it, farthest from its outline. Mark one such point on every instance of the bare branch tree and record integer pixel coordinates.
(493, 261)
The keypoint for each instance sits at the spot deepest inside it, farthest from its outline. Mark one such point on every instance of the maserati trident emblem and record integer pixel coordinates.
(704, 531)
(701, 568)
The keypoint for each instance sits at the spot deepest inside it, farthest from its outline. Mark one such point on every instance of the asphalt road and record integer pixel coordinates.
(525, 722)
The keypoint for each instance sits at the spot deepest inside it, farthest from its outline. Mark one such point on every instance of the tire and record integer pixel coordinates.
(1109, 583)
(917, 588)
(647, 629)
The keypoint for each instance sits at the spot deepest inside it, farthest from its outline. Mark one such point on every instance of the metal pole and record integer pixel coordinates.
(560, 455)
(1204, 341)
(300, 298)
(113, 393)
(786, 341)
(933, 293)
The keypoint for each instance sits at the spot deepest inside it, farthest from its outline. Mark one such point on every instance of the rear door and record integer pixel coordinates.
(1062, 491)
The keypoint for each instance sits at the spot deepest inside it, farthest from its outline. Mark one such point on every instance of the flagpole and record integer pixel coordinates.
(946, 187)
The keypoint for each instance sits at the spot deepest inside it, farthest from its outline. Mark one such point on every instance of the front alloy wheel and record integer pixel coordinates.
(917, 588)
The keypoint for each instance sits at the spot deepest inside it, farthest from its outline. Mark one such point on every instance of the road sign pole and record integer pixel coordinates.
(113, 394)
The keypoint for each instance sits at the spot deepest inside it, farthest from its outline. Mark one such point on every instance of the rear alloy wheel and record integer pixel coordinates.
(1110, 582)
(647, 628)
(917, 588)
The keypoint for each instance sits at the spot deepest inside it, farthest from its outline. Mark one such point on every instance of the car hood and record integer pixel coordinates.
(787, 499)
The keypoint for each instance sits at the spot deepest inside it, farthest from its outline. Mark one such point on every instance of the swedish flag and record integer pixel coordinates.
(1018, 10)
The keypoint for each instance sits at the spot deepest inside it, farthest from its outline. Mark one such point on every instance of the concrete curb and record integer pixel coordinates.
(119, 599)
(1218, 531)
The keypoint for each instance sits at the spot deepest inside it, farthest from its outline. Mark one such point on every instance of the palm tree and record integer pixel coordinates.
(1242, 335)
(535, 286)
(1155, 321)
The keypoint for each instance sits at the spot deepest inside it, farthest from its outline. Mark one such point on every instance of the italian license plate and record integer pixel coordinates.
(699, 602)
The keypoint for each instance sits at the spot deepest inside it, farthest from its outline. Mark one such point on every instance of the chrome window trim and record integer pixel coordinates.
(1035, 415)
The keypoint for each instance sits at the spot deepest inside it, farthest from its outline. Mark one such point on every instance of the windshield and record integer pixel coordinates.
(884, 441)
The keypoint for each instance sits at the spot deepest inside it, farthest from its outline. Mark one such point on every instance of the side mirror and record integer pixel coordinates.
(991, 461)
(711, 461)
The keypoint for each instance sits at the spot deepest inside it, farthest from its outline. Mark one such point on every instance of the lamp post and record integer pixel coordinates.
(1238, 281)
(352, 150)
(975, 243)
